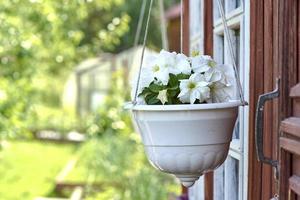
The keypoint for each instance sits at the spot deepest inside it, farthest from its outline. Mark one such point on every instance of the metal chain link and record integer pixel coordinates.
(231, 52)
(143, 52)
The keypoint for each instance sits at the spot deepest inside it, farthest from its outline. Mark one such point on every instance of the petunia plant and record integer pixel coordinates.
(171, 78)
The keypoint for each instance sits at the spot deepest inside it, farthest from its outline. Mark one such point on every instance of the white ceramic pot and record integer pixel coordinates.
(186, 140)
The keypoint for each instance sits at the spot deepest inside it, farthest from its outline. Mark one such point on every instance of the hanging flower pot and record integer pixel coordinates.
(185, 109)
(185, 114)
(186, 140)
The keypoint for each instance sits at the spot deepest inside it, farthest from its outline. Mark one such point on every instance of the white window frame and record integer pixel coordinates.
(237, 18)
(196, 11)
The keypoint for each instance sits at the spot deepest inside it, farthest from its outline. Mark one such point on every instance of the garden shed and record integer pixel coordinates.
(90, 81)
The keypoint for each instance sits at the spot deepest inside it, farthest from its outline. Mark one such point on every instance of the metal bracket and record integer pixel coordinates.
(259, 125)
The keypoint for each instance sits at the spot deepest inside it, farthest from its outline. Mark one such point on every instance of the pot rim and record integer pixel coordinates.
(182, 107)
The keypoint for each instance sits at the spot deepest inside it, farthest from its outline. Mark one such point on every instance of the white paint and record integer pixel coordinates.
(196, 192)
(186, 140)
(237, 18)
(196, 26)
(235, 175)
(246, 6)
(219, 183)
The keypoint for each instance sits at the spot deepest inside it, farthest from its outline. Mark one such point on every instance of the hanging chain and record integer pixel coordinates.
(164, 35)
(140, 22)
(231, 52)
(143, 52)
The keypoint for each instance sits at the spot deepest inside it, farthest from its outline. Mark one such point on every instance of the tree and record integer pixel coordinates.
(42, 40)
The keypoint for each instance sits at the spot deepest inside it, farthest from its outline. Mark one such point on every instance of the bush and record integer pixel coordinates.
(110, 118)
(52, 118)
(120, 164)
(114, 154)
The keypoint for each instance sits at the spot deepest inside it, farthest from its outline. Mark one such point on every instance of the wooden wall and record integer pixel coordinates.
(273, 54)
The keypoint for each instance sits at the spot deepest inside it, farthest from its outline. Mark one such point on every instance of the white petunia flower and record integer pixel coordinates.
(219, 93)
(202, 63)
(223, 90)
(166, 59)
(160, 73)
(182, 65)
(145, 80)
(162, 96)
(194, 88)
(213, 75)
(161, 65)
(228, 77)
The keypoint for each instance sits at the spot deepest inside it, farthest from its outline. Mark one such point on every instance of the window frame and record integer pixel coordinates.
(237, 18)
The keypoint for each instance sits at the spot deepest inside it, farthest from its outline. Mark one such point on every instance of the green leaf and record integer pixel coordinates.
(155, 87)
(173, 93)
(154, 101)
(151, 99)
(173, 81)
(145, 92)
(182, 76)
(170, 100)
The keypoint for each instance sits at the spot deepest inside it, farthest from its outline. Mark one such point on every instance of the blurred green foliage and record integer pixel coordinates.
(119, 162)
(114, 155)
(40, 43)
(28, 168)
(111, 118)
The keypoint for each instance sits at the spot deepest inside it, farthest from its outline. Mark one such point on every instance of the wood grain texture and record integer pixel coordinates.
(298, 37)
(276, 118)
(295, 91)
(294, 184)
(296, 165)
(291, 126)
(208, 50)
(268, 86)
(289, 66)
(273, 53)
(285, 170)
(186, 27)
(295, 95)
(290, 145)
(208, 27)
(186, 46)
(256, 88)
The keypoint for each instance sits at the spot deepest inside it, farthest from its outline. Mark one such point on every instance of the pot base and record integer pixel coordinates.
(188, 180)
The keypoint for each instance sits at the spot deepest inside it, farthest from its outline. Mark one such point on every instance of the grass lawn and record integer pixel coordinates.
(28, 168)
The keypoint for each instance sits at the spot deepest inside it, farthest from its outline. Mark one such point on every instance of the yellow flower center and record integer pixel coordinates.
(195, 53)
(211, 63)
(191, 85)
(156, 68)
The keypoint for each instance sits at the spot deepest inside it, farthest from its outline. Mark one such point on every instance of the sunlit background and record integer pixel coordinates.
(65, 69)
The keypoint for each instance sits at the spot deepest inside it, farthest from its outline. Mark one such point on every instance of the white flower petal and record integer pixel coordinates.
(201, 63)
(196, 94)
(183, 92)
(185, 98)
(213, 75)
(183, 84)
(163, 76)
(205, 94)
